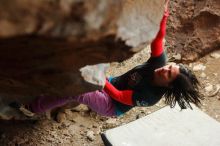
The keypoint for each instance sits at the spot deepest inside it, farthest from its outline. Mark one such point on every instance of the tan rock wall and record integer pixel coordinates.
(194, 28)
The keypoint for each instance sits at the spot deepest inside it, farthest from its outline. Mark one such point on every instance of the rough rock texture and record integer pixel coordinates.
(136, 21)
(194, 28)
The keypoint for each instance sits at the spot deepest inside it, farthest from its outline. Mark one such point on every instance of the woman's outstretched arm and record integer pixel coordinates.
(157, 47)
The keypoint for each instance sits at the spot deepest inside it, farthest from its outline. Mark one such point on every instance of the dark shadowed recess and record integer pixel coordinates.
(31, 65)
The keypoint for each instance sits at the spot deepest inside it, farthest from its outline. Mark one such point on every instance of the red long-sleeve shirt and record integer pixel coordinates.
(157, 47)
(125, 96)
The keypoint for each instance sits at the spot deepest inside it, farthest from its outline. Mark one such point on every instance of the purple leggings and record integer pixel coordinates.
(99, 101)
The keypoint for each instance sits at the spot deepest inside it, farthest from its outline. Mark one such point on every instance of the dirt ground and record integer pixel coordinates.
(80, 126)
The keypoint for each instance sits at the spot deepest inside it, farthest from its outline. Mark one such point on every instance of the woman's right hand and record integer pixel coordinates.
(166, 3)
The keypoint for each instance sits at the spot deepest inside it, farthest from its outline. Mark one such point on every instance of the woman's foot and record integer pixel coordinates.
(25, 109)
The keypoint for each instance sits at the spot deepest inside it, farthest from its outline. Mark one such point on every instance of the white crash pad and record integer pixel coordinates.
(167, 127)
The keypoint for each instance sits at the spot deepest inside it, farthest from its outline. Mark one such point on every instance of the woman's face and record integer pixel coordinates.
(163, 76)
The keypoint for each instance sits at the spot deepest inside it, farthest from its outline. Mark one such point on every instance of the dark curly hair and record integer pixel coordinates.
(183, 90)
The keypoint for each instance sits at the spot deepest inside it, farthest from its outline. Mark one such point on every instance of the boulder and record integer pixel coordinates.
(45, 45)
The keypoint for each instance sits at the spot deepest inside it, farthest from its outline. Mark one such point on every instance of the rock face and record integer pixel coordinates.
(59, 18)
(135, 21)
(195, 27)
(44, 43)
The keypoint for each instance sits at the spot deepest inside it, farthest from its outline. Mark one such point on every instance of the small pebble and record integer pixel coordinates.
(90, 135)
